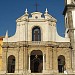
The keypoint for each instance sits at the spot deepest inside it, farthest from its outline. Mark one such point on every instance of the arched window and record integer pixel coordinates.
(11, 64)
(61, 64)
(36, 34)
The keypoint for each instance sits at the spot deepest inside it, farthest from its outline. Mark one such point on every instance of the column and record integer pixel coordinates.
(26, 59)
(43, 62)
(47, 59)
(29, 65)
(51, 60)
(55, 62)
(4, 60)
(21, 60)
(16, 63)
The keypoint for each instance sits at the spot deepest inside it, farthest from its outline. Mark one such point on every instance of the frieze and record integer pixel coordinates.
(9, 44)
(14, 44)
(63, 44)
(35, 43)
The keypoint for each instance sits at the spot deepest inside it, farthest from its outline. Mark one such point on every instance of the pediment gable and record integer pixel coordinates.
(36, 16)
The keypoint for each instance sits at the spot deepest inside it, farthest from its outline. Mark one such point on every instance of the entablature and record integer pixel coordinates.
(36, 43)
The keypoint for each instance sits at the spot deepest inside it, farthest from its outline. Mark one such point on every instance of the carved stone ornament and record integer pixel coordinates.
(73, 1)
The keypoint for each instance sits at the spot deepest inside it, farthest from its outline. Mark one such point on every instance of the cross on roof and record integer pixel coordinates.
(36, 6)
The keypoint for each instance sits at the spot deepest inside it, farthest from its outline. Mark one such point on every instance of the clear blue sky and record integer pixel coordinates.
(10, 10)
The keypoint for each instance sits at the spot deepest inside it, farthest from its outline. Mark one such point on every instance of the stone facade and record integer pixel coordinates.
(37, 49)
(50, 51)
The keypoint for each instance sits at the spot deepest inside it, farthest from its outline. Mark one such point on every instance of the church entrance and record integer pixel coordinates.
(61, 64)
(11, 64)
(36, 61)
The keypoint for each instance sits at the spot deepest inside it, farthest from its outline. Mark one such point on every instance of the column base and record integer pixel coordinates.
(21, 71)
(55, 71)
(49, 72)
(2, 72)
(16, 71)
(69, 71)
(29, 71)
(74, 71)
(44, 71)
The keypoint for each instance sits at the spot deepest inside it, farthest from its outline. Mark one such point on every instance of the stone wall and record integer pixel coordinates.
(51, 50)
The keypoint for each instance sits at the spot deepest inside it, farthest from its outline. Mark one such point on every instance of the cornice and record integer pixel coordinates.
(70, 6)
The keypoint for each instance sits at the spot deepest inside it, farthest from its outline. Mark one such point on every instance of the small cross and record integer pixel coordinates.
(36, 6)
(36, 56)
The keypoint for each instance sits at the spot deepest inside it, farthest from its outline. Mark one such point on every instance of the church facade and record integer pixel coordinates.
(36, 47)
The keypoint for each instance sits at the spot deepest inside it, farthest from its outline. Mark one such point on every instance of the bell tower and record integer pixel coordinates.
(69, 16)
(69, 2)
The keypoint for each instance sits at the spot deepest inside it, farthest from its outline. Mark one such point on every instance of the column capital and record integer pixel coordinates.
(28, 53)
(44, 54)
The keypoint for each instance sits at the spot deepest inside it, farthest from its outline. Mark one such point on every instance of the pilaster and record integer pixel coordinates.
(68, 60)
(4, 54)
(21, 60)
(47, 58)
(26, 59)
(51, 60)
(17, 61)
(55, 63)
(74, 60)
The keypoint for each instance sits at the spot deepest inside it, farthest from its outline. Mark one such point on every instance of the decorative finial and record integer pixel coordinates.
(26, 11)
(46, 11)
(6, 36)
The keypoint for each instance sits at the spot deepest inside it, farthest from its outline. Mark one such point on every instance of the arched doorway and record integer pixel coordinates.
(11, 64)
(61, 64)
(36, 61)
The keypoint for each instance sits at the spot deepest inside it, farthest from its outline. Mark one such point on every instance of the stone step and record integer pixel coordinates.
(49, 74)
(35, 74)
